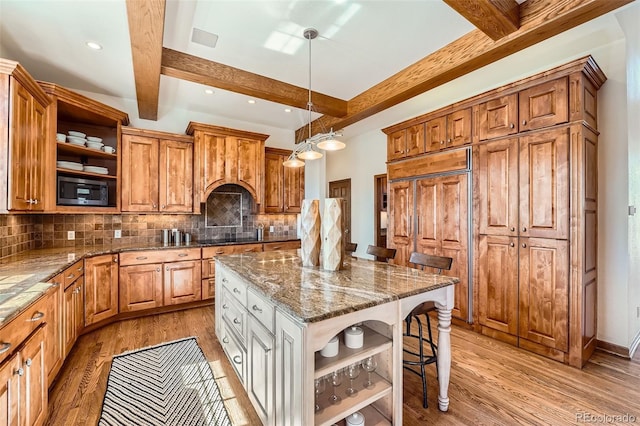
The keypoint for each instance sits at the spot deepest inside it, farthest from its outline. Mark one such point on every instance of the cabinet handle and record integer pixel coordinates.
(249, 250)
(141, 258)
(237, 359)
(158, 269)
(80, 270)
(513, 229)
(257, 309)
(225, 340)
(29, 201)
(224, 280)
(35, 201)
(115, 259)
(163, 206)
(236, 291)
(220, 252)
(20, 372)
(55, 284)
(4, 346)
(524, 245)
(512, 245)
(70, 276)
(36, 317)
(183, 254)
(28, 362)
(166, 268)
(441, 142)
(524, 229)
(276, 248)
(237, 321)
(225, 306)
(524, 122)
(154, 205)
(449, 140)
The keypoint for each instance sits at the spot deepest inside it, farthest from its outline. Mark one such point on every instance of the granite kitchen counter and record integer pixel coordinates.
(312, 294)
(24, 276)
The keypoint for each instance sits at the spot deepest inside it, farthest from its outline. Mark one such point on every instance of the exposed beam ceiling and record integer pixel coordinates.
(495, 18)
(539, 20)
(146, 29)
(199, 70)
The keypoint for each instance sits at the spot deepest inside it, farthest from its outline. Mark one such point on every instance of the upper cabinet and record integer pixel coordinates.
(157, 172)
(23, 139)
(406, 142)
(224, 155)
(79, 163)
(284, 186)
(449, 131)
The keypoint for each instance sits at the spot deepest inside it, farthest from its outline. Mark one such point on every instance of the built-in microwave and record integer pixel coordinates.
(82, 192)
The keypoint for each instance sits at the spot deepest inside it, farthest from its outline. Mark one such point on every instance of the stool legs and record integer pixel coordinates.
(422, 360)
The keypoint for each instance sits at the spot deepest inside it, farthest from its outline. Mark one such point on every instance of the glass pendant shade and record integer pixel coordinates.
(293, 162)
(309, 154)
(331, 144)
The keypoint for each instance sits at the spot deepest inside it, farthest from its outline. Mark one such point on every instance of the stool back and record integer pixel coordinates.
(431, 261)
(350, 247)
(382, 252)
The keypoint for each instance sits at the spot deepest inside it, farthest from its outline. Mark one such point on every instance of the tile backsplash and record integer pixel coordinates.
(16, 234)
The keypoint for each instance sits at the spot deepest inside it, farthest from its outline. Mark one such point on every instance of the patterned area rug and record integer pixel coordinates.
(167, 384)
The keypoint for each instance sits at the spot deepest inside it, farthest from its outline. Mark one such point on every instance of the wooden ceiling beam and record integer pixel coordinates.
(495, 18)
(146, 29)
(199, 70)
(540, 20)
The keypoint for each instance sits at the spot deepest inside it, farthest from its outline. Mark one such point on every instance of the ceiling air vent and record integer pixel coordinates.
(204, 38)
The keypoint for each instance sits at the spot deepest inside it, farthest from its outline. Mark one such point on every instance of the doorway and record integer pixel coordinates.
(380, 211)
(342, 189)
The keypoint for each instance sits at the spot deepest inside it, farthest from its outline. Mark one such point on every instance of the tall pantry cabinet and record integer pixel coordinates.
(532, 212)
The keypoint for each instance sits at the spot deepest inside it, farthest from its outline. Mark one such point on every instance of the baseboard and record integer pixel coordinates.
(615, 349)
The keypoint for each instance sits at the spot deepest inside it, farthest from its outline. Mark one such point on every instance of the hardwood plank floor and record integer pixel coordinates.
(491, 382)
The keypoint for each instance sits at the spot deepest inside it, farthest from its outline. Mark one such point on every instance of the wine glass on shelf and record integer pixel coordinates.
(320, 386)
(353, 371)
(369, 365)
(336, 380)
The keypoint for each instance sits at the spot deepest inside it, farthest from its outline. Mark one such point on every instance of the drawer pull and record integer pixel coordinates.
(237, 359)
(183, 254)
(225, 340)
(220, 252)
(36, 317)
(28, 362)
(4, 346)
(55, 284)
(257, 309)
(141, 258)
(80, 270)
(70, 276)
(237, 321)
(225, 306)
(276, 248)
(249, 250)
(20, 371)
(235, 290)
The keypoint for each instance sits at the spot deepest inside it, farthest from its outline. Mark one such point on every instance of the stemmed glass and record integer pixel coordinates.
(353, 371)
(336, 380)
(369, 366)
(320, 386)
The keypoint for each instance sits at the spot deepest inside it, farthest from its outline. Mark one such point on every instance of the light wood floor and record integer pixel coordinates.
(491, 383)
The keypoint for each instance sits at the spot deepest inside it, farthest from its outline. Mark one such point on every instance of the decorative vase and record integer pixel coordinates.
(310, 232)
(332, 244)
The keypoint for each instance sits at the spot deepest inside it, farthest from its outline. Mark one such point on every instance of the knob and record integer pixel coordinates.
(512, 125)
(236, 291)
(257, 309)
(524, 245)
(513, 229)
(225, 306)
(441, 142)
(236, 321)
(524, 229)
(524, 122)
(511, 245)
(28, 362)
(155, 206)
(20, 372)
(115, 259)
(158, 269)
(224, 280)
(163, 206)
(166, 268)
(29, 201)
(225, 340)
(35, 201)
(449, 140)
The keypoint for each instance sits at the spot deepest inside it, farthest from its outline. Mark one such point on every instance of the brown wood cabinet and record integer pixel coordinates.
(140, 287)
(182, 282)
(224, 155)
(157, 172)
(53, 331)
(100, 288)
(498, 117)
(73, 313)
(209, 264)
(284, 186)
(449, 131)
(10, 391)
(23, 140)
(406, 142)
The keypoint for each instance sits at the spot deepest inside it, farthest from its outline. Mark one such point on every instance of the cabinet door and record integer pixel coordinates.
(400, 220)
(427, 205)
(182, 282)
(20, 147)
(34, 381)
(69, 327)
(289, 360)
(498, 283)
(250, 159)
(176, 177)
(53, 335)
(544, 292)
(459, 128)
(139, 174)
(293, 189)
(415, 140)
(260, 379)
(101, 288)
(38, 151)
(436, 134)
(498, 117)
(396, 145)
(544, 105)
(544, 184)
(498, 187)
(140, 287)
(274, 182)
(212, 149)
(208, 288)
(79, 307)
(9, 391)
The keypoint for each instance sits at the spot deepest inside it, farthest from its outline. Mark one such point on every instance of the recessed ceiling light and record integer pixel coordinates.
(287, 110)
(251, 101)
(93, 45)
(208, 91)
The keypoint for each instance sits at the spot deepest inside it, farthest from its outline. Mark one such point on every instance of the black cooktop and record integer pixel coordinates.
(229, 240)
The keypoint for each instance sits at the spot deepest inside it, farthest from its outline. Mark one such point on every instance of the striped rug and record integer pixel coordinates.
(166, 384)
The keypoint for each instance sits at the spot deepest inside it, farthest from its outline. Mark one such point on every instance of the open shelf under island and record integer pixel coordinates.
(273, 317)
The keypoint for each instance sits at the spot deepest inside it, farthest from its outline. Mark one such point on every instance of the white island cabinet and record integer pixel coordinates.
(273, 317)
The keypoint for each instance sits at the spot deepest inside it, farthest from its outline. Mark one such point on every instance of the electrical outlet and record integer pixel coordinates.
(71, 235)
(117, 233)
(272, 228)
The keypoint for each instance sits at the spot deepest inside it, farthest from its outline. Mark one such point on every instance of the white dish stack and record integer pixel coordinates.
(96, 169)
(69, 165)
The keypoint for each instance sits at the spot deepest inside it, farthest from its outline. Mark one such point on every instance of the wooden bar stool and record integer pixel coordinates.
(349, 248)
(419, 359)
(381, 252)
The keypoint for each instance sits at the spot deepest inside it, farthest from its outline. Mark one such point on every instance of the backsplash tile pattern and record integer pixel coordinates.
(16, 234)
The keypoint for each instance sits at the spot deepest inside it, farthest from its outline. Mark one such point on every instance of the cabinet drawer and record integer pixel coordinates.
(19, 328)
(235, 315)
(208, 268)
(158, 256)
(284, 245)
(261, 309)
(234, 286)
(208, 288)
(234, 351)
(72, 273)
(211, 252)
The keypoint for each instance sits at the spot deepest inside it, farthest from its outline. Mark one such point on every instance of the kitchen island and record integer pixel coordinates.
(273, 317)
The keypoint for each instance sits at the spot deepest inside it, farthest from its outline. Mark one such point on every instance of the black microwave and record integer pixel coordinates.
(82, 192)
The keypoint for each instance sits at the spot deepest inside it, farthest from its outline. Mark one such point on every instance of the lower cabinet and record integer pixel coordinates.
(260, 380)
(140, 287)
(53, 332)
(101, 288)
(73, 313)
(288, 343)
(23, 384)
(182, 282)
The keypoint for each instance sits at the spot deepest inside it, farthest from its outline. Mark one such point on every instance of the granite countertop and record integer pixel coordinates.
(312, 294)
(24, 276)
